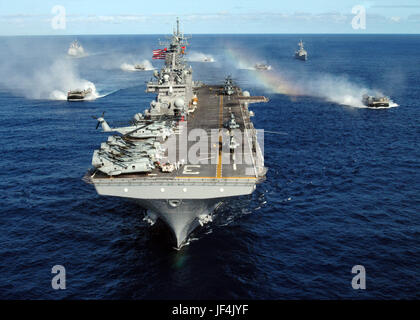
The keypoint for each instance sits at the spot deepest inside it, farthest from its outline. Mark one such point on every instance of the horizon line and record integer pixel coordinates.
(203, 34)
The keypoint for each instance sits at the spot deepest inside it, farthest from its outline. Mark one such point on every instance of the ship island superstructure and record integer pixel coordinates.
(193, 147)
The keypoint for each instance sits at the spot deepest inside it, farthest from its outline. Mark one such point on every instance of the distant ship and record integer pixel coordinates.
(78, 95)
(76, 49)
(139, 67)
(375, 102)
(301, 54)
(261, 66)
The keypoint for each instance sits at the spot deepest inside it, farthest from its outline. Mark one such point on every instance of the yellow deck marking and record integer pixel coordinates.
(219, 159)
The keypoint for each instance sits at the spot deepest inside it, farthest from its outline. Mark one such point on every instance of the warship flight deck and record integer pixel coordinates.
(213, 111)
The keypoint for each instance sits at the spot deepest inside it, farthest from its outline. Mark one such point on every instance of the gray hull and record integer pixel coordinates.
(182, 216)
(180, 203)
(301, 57)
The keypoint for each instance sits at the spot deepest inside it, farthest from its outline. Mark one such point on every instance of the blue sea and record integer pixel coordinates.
(342, 188)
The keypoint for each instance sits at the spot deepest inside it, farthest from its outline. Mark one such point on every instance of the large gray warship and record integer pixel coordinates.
(192, 149)
(375, 102)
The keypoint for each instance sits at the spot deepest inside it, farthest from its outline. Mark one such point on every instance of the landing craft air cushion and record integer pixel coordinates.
(78, 95)
(375, 102)
(301, 54)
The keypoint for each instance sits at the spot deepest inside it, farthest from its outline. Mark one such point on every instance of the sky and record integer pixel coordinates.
(76, 17)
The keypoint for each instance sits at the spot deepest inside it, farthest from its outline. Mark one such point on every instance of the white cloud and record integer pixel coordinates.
(414, 18)
(305, 19)
(395, 19)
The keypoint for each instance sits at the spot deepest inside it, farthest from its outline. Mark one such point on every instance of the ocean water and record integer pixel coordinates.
(342, 188)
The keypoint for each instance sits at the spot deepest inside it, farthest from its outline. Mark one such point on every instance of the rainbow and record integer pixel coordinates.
(273, 81)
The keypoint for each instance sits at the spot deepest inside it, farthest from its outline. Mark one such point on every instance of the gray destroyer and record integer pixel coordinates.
(191, 149)
(301, 54)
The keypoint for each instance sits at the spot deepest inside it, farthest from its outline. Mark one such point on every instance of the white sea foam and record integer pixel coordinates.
(82, 85)
(76, 52)
(392, 104)
(50, 81)
(333, 88)
(245, 65)
(339, 89)
(200, 57)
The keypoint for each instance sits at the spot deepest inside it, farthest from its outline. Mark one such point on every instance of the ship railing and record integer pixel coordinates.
(174, 181)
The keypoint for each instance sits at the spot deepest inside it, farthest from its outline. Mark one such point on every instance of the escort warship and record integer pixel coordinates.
(157, 161)
(301, 54)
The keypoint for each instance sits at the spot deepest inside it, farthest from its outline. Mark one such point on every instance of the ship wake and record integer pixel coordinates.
(338, 89)
(331, 88)
(50, 82)
(82, 85)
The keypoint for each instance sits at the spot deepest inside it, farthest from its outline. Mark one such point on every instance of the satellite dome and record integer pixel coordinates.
(246, 94)
(166, 77)
(179, 103)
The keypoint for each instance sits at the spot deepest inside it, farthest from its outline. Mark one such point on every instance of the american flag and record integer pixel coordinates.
(159, 54)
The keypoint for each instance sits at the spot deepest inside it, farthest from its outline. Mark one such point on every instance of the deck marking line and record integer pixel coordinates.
(219, 160)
